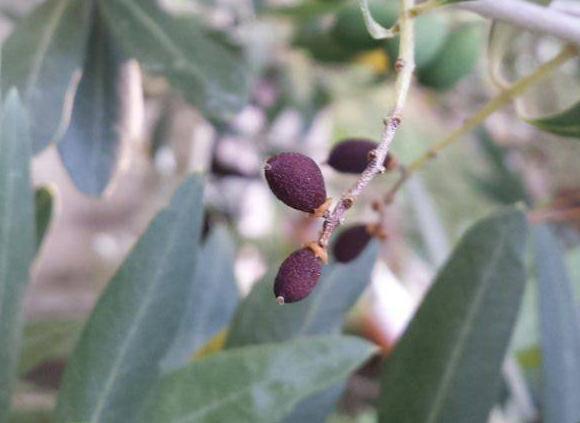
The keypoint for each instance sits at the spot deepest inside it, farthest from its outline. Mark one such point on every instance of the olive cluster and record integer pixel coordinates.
(297, 181)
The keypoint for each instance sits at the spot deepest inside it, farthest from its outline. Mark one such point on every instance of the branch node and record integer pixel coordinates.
(348, 202)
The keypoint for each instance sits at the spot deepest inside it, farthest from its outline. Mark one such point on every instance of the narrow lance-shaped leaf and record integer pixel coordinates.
(135, 321)
(101, 115)
(43, 58)
(256, 383)
(44, 204)
(447, 366)
(260, 319)
(207, 69)
(566, 123)
(17, 238)
(560, 332)
(213, 301)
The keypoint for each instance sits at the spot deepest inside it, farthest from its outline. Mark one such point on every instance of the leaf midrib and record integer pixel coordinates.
(450, 368)
(236, 395)
(141, 312)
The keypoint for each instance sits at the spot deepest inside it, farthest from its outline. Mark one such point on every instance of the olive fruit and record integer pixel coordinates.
(352, 155)
(297, 276)
(456, 59)
(350, 243)
(296, 180)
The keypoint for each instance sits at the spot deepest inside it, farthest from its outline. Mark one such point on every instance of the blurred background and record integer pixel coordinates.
(318, 78)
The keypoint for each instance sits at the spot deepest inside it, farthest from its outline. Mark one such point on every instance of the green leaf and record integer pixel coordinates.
(17, 238)
(136, 319)
(560, 331)
(256, 383)
(207, 70)
(44, 204)
(447, 366)
(502, 184)
(317, 407)
(43, 58)
(47, 340)
(91, 146)
(260, 319)
(213, 301)
(566, 123)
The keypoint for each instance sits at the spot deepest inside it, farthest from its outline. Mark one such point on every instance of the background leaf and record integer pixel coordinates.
(560, 332)
(449, 360)
(17, 238)
(256, 383)
(42, 58)
(44, 204)
(566, 123)
(91, 146)
(316, 408)
(136, 319)
(260, 319)
(502, 184)
(205, 68)
(213, 301)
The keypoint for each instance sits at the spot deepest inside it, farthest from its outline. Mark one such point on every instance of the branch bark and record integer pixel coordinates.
(405, 67)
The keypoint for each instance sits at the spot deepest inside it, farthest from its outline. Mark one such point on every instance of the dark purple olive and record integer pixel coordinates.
(352, 155)
(297, 276)
(350, 243)
(297, 181)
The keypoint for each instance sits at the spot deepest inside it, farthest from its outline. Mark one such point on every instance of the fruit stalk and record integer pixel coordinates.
(502, 99)
(405, 66)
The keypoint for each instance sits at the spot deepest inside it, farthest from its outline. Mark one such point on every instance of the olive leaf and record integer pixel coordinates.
(450, 342)
(560, 331)
(255, 383)
(100, 119)
(17, 237)
(207, 69)
(43, 58)
(565, 123)
(116, 362)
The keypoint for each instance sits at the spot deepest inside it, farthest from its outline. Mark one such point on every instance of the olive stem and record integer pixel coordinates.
(405, 67)
(502, 99)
